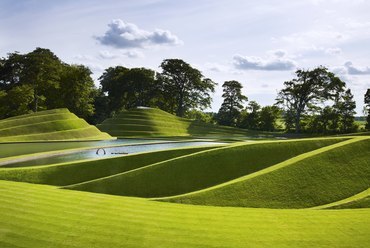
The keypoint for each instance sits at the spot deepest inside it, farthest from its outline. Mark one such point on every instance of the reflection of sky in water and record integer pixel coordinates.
(110, 152)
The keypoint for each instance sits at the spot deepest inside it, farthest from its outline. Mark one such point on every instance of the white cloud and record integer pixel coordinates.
(357, 25)
(333, 51)
(279, 53)
(315, 38)
(107, 55)
(127, 35)
(83, 57)
(133, 54)
(353, 70)
(216, 67)
(277, 62)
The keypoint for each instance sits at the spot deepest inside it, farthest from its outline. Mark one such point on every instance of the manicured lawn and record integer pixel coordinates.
(57, 124)
(317, 178)
(43, 216)
(71, 173)
(158, 123)
(201, 170)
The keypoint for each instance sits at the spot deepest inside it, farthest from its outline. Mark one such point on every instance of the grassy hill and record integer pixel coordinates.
(50, 125)
(201, 170)
(328, 177)
(76, 172)
(316, 178)
(156, 123)
(44, 216)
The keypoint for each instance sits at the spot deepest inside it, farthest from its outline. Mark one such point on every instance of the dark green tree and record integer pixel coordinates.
(41, 70)
(367, 105)
(54, 84)
(250, 116)
(76, 91)
(309, 88)
(230, 110)
(268, 117)
(112, 84)
(325, 121)
(128, 88)
(16, 101)
(184, 87)
(346, 106)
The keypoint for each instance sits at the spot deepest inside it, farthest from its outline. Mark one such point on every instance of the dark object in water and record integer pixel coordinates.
(97, 151)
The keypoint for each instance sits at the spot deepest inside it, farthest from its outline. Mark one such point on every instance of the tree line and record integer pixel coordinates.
(316, 101)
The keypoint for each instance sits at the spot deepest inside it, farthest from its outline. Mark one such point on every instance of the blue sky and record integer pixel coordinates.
(260, 43)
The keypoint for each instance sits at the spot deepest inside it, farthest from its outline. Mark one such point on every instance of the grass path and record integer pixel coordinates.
(43, 216)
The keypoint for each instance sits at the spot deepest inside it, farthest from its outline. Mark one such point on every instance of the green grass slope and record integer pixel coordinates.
(359, 203)
(321, 177)
(155, 122)
(50, 125)
(201, 170)
(43, 217)
(72, 173)
(359, 200)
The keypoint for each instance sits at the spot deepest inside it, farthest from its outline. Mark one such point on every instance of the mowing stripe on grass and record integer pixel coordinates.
(42, 216)
(86, 170)
(200, 170)
(54, 125)
(311, 179)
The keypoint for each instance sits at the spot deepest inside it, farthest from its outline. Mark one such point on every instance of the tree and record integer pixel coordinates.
(346, 111)
(367, 104)
(232, 105)
(268, 117)
(326, 121)
(111, 83)
(249, 117)
(76, 91)
(54, 84)
(16, 101)
(41, 70)
(184, 87)
(309, 88)
(128, 88)
(200, 116)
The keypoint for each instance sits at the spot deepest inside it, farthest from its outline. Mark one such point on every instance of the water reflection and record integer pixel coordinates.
(107, 152)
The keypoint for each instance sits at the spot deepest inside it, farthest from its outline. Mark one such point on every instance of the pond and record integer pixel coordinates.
(103, 152)
(17, 149)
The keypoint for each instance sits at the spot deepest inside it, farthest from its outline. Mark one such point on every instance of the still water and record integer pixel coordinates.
(106, 152)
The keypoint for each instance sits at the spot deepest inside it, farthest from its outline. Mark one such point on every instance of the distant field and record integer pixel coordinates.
(50, 125)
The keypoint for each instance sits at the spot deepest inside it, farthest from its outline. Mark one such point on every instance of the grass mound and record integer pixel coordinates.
(71, 173)
(155, 122)
(314, 179)
(43, 216)
(201, 170)
(50, 125)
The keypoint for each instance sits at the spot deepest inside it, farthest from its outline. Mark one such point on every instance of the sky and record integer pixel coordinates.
(260, 43)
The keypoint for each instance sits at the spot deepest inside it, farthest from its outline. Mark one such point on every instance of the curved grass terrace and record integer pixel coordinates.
(44, 216)
(50, 125)
(266, 193)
